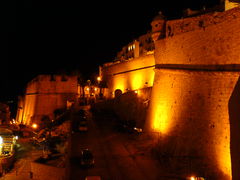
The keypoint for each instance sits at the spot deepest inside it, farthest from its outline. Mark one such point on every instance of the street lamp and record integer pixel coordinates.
(98, 79)
(195, 178)
(34, 126)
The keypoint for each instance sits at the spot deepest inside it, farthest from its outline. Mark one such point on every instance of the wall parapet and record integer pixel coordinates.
(217, 43)
(179, 26)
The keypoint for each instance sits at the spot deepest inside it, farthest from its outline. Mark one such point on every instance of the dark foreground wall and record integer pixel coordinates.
(130, 106)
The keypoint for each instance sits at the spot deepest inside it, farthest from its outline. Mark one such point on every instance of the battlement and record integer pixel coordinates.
(53, 77)
(210, 39)
(197, 71)
(44, 94)
(52, 84)
(180, 26)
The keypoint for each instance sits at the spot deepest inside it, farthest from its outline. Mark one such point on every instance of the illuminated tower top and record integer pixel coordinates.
(158, 23)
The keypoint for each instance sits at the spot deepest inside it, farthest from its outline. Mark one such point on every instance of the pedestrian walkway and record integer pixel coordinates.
(22, 169)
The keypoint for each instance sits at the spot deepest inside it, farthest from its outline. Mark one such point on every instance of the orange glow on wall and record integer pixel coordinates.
(137, 73)
(136, 80)
(28, 110)
(119, 83)
(161, 118)
(225, 162)
(230, 5)
(224, 154)
(160, 113)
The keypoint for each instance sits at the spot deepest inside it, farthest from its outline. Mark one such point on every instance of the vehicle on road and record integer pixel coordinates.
(138, 130)
(87, 159)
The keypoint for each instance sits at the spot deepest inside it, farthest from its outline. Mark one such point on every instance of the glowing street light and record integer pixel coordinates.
(98, 78)
(196, 178)
(1, 140)
(34, 126)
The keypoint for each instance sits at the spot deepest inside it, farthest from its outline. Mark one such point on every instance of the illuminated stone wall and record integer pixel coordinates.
(230, 5)
(210, 39)
(132, 69)
(46, 93)
(129, 75)
(197, 69)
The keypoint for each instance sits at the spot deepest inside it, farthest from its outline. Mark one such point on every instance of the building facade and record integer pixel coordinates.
(45, 94)
(133, 68)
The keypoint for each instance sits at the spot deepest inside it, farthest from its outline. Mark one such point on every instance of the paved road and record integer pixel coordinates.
(118, 156)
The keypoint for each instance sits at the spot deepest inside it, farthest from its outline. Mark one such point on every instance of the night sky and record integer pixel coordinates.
(63, 36)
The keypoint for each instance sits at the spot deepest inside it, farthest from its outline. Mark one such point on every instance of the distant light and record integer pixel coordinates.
(1, 140)
(95, 89)
(99, 78)
(16, 137)
(138, 129)
(34, 126)
(87, 89)
(196, 178)
(136, 91)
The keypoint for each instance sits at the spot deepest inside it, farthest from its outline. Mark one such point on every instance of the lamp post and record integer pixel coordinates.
(98, 79)
(99, 85)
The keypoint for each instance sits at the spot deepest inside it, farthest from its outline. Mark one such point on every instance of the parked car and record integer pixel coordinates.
(87, 159)
(138, 130)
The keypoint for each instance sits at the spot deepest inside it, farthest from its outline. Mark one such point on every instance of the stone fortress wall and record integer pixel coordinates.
(197, 71)
(133, 68)
(44, 94)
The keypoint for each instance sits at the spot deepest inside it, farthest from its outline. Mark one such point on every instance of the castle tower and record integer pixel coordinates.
(194, 102)
(158, 27)
(45, 94)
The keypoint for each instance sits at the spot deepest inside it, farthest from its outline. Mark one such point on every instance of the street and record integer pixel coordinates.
(117, 155)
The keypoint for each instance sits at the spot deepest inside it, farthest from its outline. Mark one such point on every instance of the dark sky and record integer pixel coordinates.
(61, 36)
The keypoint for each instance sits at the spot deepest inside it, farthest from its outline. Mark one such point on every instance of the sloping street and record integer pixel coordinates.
(117, 155)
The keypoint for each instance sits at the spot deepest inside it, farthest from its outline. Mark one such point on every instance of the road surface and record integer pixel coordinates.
(118, 156)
